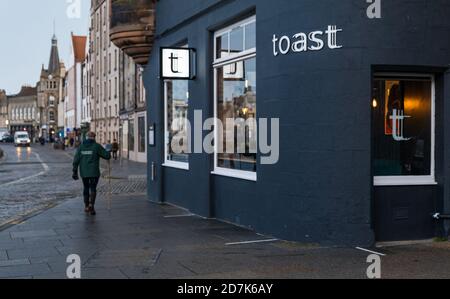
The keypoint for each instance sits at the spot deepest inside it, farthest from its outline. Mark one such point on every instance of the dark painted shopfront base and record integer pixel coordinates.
(321, 190)
(405, 213)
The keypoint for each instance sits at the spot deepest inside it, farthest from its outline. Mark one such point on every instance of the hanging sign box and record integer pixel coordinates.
(178, 63)
(151, 135)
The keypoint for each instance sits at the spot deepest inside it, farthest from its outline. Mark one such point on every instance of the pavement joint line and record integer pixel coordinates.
(180, 216)
(157, 257)
(187, 268)
(370, 251)
(28, 215)
(14, 262)
(33, 163)
(123, 273)
(403, 243)
(69, 156)
(127, 194)
(252, 242)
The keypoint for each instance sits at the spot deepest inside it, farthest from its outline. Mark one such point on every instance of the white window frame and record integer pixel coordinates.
(218, 63)
(380, 181)
(227, 30)
(170, 163)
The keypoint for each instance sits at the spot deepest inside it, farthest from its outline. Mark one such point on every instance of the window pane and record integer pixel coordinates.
(222, 46)
(177, 118)
(141, 129)
(131, 136)
(236, 40)
(402, 127)
(250, 36)
(236, 88)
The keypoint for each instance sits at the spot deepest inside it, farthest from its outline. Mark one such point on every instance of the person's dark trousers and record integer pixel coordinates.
(114, 155)
(90, 190)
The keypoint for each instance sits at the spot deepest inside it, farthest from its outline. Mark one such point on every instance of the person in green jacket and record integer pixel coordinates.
(87, 160)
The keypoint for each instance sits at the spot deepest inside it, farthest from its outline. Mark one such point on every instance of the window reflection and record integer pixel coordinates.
(177, 118)
(141, 131)
(236, 97)
(250, 36)
(402, 127)
(131, 136)
(239, 38)
(222, 46)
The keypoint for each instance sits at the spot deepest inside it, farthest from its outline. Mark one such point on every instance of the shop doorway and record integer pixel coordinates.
(132, 139)
(403, 156)
(124, 141)
(141, 140)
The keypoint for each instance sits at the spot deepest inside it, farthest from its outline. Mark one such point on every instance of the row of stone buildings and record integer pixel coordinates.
(113, 94)
(38, 109)
(100, 90)
(34, 108)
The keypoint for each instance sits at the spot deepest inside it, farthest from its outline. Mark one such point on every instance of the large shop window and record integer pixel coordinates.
(403, 114)
(176, 123)
(235, 99)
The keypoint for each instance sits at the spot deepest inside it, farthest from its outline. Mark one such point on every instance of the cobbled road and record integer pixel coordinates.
(33, 179)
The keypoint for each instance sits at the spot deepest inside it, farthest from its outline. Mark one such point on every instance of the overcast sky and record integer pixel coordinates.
(25, 36)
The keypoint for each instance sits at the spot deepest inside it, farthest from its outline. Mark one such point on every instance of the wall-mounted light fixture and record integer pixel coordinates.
(374, 103)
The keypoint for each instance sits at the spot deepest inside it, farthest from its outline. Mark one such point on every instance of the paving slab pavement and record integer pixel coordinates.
(139, 239)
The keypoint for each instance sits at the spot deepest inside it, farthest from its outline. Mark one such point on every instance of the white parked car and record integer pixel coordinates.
(22, 139)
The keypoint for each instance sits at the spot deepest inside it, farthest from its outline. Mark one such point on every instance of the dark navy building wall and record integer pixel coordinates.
(322, 188)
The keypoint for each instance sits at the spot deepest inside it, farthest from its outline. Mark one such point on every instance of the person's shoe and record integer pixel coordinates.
(92, 211)
(87, 210)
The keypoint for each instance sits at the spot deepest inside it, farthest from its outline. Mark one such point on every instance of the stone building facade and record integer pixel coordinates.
(50, 93)
(104, 75)
(3, 110)
(23, 112)
(85, 94)
(113, 93)
(73, 108)
(133, 114)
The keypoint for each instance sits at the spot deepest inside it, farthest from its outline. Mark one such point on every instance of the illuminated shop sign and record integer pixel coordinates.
(177, 63)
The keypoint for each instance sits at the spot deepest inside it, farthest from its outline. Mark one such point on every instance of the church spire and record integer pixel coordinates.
(53, 65)
(54, 31)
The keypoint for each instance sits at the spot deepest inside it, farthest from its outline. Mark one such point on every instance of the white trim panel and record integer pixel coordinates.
(237, 174)
(176, 165)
